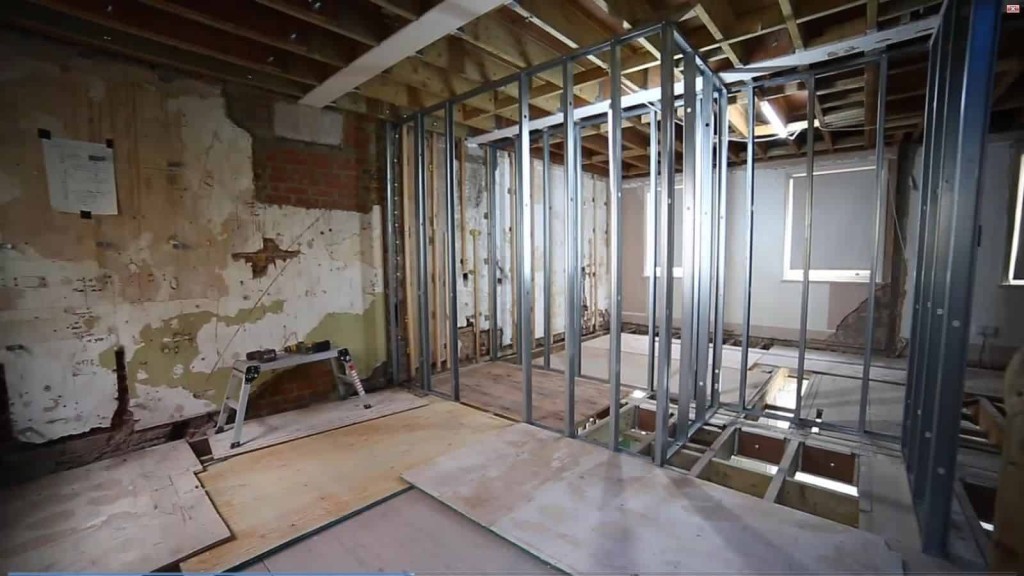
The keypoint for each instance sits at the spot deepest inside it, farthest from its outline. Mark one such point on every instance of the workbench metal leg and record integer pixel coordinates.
(345, 358)
(339, 378)
(234, 383)
(251, 374)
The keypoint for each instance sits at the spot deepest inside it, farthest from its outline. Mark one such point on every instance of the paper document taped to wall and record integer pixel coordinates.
(80, 176)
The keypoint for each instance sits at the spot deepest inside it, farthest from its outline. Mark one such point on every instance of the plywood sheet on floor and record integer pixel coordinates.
(833, 368)
(839, 400)
(275, 429)
(585, 509)
(877, 360)
(134, 513)
(411, 532)
(594, 365)
(498, 387)
(272, 496)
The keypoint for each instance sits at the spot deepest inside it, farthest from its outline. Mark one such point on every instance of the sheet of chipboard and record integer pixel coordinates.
(272, 496)
(784, 359)
(134, 513)
(498, 387)
(585, 509)
(411, 531)
(277, 428)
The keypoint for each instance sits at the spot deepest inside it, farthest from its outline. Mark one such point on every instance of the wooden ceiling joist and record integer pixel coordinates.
(436, 23)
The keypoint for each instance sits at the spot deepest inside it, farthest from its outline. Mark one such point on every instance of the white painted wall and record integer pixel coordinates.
(775, 303)
(994, 304)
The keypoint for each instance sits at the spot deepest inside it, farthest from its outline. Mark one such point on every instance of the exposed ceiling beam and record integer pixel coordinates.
(719, 19)
(437, 23)
(71, 29)
(824, 52)
(794, 29)
(342, 18)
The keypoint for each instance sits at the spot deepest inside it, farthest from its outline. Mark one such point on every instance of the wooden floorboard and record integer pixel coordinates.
(272, 496)
(275, 429)
(498, 387)
(585, 509)
(133, 513)
(411, 532)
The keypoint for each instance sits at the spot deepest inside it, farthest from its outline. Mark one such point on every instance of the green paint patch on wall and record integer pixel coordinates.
(252, 315)
(168, 350)
(365, 335)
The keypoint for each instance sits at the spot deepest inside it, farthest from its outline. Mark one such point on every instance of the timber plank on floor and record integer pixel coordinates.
(134, 513)
(272, 496)
(585, 509)
(277, 428)
(498, 387)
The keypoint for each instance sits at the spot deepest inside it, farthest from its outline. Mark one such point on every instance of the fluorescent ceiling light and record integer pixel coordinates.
(773, 118)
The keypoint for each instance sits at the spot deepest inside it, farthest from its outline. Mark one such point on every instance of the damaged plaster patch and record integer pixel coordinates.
(307, 124)
(268, 254)
(160, 405)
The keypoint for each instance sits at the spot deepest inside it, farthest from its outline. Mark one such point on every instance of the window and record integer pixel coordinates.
(1015, 275)
(842, 226)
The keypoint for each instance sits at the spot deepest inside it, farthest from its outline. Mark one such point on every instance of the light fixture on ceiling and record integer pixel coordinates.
(773, 118)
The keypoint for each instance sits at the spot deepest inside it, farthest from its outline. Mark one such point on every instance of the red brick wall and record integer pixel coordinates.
(318, 176)
(292, 389)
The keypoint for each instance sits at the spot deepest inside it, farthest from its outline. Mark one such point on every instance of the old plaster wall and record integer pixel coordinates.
(163, 279)
(472, 228)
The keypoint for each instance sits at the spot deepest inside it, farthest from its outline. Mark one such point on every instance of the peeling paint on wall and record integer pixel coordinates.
(160, 279)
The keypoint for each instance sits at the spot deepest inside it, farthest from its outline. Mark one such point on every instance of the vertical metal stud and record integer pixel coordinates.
(546, 183)
(748, 275)
(722, 205)
(882, 191)
(572, 198)
(654, 233)
(494, 238)
(451, 264)
(392, 248)
(805, 293)
(689, 342)
(525, 260)
(974, 56)
(666, 209)
(704, 233)
(421, 253)
(615, 239)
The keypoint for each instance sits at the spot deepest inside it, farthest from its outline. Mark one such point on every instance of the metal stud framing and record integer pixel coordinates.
(615, 240)
(696, 110)
(452, 261)
(572, 198)
(664, 212)
(958, 104)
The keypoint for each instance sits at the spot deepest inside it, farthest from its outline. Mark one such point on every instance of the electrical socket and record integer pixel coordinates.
(988, 331)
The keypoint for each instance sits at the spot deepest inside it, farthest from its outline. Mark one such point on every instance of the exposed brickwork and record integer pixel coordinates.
(303, 386)
(292, 389)
(318, 176)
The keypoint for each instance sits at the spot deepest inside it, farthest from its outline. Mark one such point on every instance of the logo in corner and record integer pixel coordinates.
(1013, 8)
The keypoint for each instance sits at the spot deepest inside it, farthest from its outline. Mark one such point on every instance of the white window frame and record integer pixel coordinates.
(1016, 228)
(677, 271)
(790, 274)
